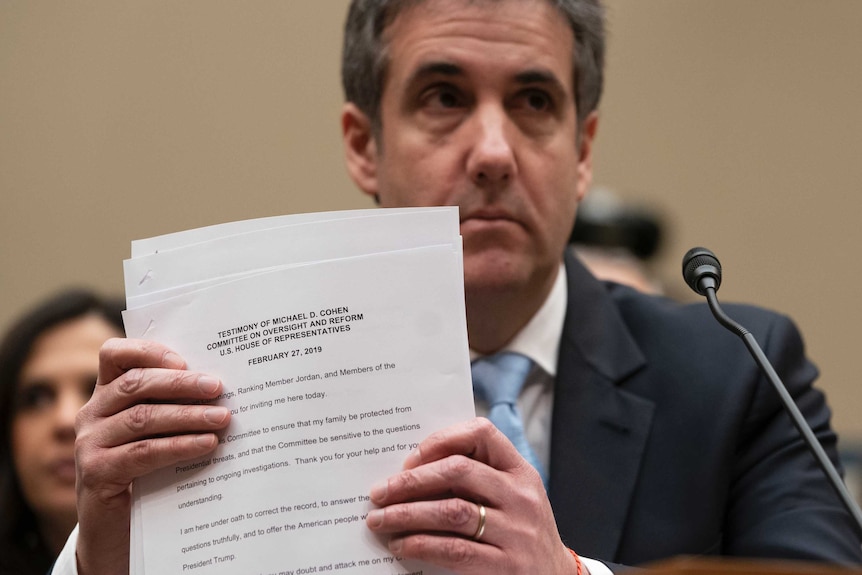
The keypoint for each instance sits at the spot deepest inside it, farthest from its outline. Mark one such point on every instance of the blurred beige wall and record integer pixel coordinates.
(741, 119)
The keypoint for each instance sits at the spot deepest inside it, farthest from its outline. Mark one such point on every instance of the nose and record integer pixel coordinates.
(67, 407)
(492, 156)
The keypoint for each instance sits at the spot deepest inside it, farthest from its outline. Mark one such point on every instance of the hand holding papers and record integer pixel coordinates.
(341, 343)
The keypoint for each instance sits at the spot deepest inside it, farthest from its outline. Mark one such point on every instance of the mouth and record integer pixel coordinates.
(63, 469)
(488, 214)
(489, 220)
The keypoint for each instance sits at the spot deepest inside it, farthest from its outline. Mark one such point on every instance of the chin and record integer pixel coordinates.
(58, 509)
(62, 507)
(493, 277)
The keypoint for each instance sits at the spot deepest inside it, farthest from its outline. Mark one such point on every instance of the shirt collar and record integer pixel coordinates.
(540, 338)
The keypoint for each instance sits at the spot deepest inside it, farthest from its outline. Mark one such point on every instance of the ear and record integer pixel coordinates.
(360, 148)
(585, 154)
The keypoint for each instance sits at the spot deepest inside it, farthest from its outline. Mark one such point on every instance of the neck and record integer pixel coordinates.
(493, 319)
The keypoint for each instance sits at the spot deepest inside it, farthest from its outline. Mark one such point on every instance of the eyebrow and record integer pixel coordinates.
(532, 76)
(539, 76)
(435, 69)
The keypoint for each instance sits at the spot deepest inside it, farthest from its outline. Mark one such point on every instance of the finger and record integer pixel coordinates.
(146, 420)
(117, 355)
(456, 475)
(109, 471)
(444, 463)
(454, 553)
(453, 516)
(148, 385)
(111, 452)
(478, 439)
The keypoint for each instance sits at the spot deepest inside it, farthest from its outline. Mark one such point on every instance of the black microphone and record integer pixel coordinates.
(701, 269)
(702, 272)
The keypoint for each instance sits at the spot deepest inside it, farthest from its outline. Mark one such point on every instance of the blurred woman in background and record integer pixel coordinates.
(49, 361)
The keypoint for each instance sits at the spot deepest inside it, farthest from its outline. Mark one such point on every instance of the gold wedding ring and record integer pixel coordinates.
(481, 528)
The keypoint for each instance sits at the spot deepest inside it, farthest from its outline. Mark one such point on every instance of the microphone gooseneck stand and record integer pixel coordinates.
(702, 272)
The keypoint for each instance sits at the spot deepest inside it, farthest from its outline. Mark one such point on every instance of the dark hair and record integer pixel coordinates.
(364, 57)
(22, 549)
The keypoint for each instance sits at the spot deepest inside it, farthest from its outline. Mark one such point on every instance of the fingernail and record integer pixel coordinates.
(206, 440)
(395, 545)
(173, 361)
(208, 384)
(375, 518)
(378, 491)
(215, 414)
(413, 459)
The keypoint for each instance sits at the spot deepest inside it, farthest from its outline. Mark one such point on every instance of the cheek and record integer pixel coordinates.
(27, 439)
(416, 185)
(555, 199)
(416, 172)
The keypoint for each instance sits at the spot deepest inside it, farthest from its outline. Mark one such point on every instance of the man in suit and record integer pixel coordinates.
(655, 432)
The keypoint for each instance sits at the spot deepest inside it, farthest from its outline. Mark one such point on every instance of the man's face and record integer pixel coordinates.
(478, 111)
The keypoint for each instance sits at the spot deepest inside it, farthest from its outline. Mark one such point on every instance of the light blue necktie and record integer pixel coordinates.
(498, 379)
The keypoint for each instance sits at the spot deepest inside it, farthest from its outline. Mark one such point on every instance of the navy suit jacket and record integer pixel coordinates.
(666, 440)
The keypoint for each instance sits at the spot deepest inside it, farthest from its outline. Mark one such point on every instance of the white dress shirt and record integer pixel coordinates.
(540, 341)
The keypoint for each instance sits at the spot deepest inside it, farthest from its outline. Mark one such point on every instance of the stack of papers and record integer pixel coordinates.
(341, 342)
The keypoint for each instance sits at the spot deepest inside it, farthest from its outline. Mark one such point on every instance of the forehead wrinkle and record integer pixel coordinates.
(440, 68)
(453, 34)
(451, 13)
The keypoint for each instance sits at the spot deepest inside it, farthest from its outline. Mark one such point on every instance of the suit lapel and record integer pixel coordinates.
(599, 429)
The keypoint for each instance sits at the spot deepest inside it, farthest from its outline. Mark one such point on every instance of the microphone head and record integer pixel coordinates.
(701, 269)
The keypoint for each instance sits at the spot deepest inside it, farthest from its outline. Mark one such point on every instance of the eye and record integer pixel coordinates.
(538, 101)
(34, 397)
(448, 99)
(442, 97)
(535, 100)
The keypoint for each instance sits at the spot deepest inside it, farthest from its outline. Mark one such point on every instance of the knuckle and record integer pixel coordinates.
(179, 381)
(537, 497)
(407, 481)
(483, 427)
(457, 467)
(138, 417)
(459, 551)
(456, 512)
(83, 417)
(85, 478)
(412, 546)
(533, 501)
(82, 457)
(528, 473)
(109, 348)
(82, 443)
(401, 514)
(419, 546)
(140, 453)
(482, 431)
(131, 381)
(89, 474)
(189, 413)
(90, 469)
